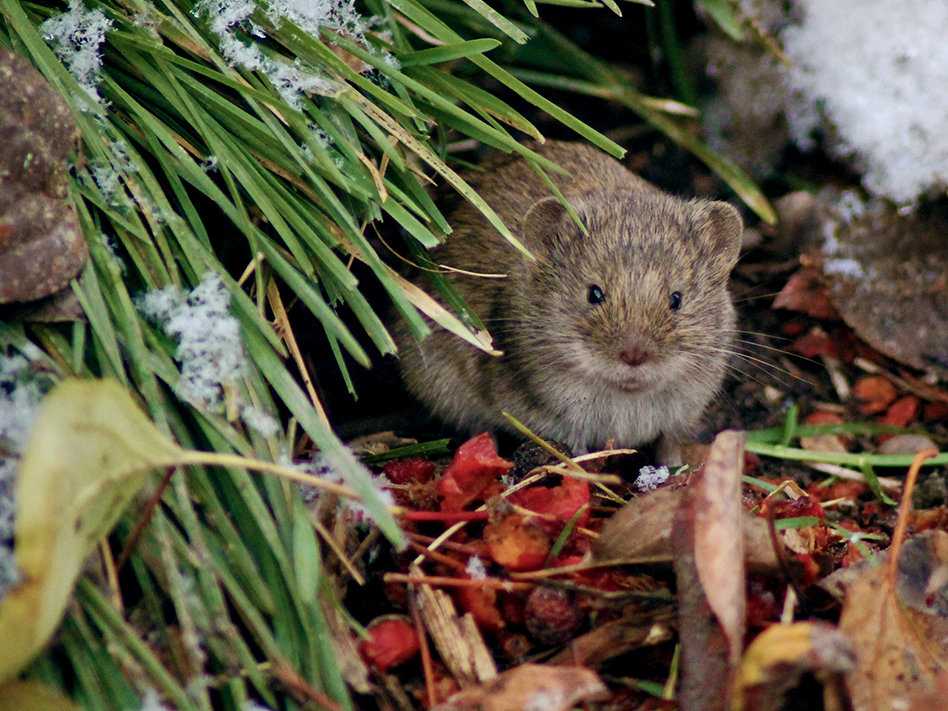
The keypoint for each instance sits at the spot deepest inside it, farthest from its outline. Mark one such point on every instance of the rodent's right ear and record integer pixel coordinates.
(544, 223)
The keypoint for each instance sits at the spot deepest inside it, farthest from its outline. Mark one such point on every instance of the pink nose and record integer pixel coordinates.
(634, 356)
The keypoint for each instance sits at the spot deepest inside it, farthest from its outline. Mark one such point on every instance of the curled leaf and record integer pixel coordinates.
(90, 450)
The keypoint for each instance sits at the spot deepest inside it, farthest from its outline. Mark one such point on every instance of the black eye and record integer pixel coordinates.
(674, 302)
(595, 295)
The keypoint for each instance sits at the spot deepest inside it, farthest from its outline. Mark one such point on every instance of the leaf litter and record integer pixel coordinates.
(666, 598)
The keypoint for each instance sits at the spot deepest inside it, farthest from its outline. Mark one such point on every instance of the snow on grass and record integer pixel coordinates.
(260, 422)
(20, 394)
(289, 77)
(210, 348)
(313, 15)
(77, 36)
(331, 466)
(875, 72)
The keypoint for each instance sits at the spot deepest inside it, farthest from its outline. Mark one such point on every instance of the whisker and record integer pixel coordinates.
(763, 365)
(762, 334)
(755, 297)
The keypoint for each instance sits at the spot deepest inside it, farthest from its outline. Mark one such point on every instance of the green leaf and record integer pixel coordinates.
(448, 52)
(498, 20)
(605, 82)
(722, 12)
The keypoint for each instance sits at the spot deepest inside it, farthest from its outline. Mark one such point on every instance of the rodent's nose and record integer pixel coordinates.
(634, 356)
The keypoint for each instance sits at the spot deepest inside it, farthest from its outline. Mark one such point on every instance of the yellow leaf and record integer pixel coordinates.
(33, 696)
(90, 451)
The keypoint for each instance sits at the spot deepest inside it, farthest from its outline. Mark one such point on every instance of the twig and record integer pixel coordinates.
(299, 687)
(438, 557)
(286, 331)
(444, 581)
(427, 665)
(144, 519)
(905, 509)
(852, 474)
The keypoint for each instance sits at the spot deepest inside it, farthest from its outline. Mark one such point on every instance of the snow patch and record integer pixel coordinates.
(210, 348)
(263, 423)
(650, 478)
(874, 70)
(476, 569)
(20, 394)
(77, 36)
(844, 267)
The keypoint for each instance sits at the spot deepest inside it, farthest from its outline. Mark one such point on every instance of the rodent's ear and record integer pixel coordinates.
(721, 227)
(543, 223)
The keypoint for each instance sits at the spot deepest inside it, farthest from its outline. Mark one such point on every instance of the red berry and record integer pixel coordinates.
(552, 616)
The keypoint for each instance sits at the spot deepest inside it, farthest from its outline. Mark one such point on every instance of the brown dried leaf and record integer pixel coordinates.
(806, 292)
(875, 393)
(709, 568)
(898, 634)
(605, 642)
(530, 686)
(719, 554)
(60, 306)
(824, 443)
(780, 655)
(641, 531)
(889, 280)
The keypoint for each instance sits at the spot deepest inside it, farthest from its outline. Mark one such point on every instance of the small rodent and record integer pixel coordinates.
(620, 336)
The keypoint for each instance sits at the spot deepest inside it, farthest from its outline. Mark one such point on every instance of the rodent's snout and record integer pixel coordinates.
(635, 355)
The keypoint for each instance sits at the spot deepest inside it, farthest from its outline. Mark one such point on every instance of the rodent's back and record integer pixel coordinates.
(620, 334)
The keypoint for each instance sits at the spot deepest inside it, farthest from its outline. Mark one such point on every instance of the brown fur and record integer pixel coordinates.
(562, 372)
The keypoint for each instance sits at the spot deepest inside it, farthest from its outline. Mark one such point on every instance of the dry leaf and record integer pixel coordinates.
(889, 280)
(536, 687)
(31, 695)
(719, 554)
(780, 655)
(824, 443)
(91, 449)
(899, 634)
(641, 532)
(41, 247)
(805, 292)
(906, 444)
(36, 127)
(607, 641)
(709, 567)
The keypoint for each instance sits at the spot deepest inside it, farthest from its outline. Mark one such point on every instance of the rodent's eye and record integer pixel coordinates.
(596, 295)
(674, 302)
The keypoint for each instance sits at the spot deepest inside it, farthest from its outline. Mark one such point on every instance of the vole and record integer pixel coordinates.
(620, 336)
